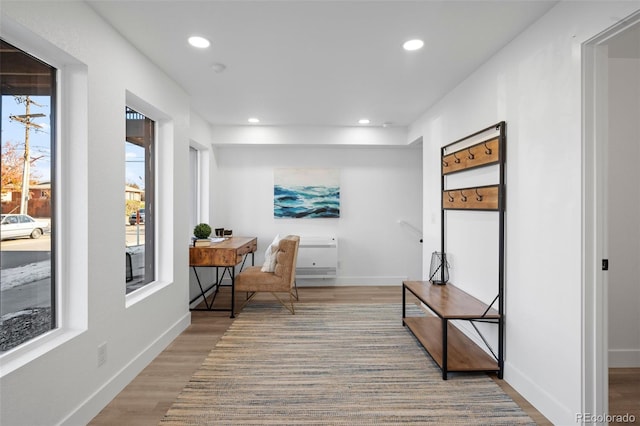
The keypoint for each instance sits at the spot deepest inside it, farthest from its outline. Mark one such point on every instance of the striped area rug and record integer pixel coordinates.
(332, 365)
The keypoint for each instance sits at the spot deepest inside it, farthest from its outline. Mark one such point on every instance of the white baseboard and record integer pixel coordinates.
(91, 406)
(342, 281)
(624, 358)
(545, 403)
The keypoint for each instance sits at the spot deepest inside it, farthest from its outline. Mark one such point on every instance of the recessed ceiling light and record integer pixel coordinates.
(413, 44)
(253, 120)
(199, 42)
(364, 121)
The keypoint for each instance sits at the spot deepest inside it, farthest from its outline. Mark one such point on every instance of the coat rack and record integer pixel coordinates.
(450, 347)
(481, 149)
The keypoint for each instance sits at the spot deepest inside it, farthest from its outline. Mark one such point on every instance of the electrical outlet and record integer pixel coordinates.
(102, 354)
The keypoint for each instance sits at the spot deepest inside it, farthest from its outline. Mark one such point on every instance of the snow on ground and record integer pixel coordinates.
(14, 277)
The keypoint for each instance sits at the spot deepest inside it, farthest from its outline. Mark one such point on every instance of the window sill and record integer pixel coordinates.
(26, 353)
(144, 292)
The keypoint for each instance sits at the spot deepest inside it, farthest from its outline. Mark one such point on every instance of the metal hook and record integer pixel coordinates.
(451, 199)
(463, 197)
(471, 156)
(487, 150)
(457, 159)
(478, 196)
(445, 164)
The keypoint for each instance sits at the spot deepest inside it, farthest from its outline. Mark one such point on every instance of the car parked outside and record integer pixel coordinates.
(133, 219)
(21, 225)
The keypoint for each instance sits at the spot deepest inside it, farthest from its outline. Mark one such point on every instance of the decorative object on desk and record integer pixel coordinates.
(219, 232)
(201, 232)
(306, 193)
(227, 233)
(439, 269)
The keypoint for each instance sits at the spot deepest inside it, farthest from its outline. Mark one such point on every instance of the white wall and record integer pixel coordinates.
(534, 83)
(379, 187)
(65, 384)
(624, 211)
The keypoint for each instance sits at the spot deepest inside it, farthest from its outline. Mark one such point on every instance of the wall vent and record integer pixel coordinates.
(317, 257)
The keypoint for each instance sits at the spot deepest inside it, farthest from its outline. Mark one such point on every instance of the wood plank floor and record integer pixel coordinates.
(148, 397)
(624, 392)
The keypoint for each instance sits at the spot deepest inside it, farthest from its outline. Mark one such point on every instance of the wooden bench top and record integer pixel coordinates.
(448, 301)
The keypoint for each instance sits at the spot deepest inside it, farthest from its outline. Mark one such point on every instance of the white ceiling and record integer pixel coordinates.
(319, 63)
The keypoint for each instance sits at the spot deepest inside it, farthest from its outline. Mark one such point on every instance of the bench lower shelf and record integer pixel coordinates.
(462, 353)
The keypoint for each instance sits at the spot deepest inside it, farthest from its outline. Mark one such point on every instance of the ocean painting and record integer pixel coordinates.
(306, 193)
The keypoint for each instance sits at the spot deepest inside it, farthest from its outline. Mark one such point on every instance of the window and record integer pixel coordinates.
(194, 188)
(140, 200)
(27, 255)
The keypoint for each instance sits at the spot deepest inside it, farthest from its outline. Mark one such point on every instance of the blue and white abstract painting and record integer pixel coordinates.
(306, 193)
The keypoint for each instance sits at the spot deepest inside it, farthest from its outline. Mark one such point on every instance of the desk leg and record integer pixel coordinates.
(204, 296)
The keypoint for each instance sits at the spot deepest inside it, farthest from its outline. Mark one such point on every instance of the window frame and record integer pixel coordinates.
(201, 176)
(194, 186)
(149, 149)
(163, 219)
(23, 217)
(69, 199)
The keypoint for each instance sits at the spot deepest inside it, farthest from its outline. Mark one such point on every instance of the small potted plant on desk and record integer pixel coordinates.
(201, 233)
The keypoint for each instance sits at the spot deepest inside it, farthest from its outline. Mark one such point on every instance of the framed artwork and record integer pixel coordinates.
(306, 193)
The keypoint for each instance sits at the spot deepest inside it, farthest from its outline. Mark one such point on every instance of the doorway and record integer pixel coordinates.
(611, 231)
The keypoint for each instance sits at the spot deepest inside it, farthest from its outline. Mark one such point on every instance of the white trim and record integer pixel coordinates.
(101, 397)
(624, 358)
(343, 281)
(594, 382)
(595, 354)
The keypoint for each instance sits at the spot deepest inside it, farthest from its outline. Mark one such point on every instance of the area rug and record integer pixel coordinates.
(332, 365)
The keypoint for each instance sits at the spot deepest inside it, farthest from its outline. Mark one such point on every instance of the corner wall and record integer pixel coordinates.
(380, 186)
(534, 84)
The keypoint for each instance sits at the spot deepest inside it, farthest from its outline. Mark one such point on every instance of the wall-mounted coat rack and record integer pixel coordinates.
(481, 154)
(450, 348)
(474, 198)
(485, 148)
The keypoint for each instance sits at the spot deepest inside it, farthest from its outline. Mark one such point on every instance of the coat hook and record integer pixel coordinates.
(457, 159)
(471, 156)
(478, 196)
(463, 197)
(487, 150)
(451, 199)
(445, 164)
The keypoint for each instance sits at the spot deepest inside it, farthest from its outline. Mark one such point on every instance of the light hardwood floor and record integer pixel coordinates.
(148, 397)
(624, 393)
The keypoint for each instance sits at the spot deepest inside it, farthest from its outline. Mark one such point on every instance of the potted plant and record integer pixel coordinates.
(201, 233)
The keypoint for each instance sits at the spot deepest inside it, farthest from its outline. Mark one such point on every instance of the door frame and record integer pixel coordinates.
(595, 243)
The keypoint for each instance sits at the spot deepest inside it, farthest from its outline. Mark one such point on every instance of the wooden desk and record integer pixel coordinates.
(226, 254)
